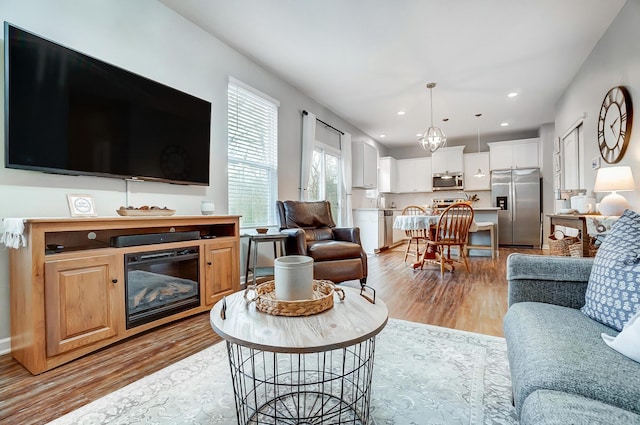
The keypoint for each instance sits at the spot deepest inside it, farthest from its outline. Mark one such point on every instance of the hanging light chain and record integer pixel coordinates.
(479, 173)
(478, 116)
(431, 100)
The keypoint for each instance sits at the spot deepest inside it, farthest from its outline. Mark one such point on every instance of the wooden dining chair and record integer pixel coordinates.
(452, 231)
(417, 235)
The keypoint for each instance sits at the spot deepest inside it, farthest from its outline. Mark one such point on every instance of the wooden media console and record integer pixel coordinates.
(68, 295)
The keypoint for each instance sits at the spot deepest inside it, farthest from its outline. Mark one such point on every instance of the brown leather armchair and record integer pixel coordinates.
(336, 251)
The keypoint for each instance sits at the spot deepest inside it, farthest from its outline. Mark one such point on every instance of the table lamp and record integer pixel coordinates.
(614, 179)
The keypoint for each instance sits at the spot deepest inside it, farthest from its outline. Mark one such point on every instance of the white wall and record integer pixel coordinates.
(615, 61)
(546, 135)
(147, 38)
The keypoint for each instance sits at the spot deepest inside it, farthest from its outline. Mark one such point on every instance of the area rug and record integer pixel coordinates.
(422, 375)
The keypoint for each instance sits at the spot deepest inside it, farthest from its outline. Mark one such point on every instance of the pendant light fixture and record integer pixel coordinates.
(479, 173)
(433, 138)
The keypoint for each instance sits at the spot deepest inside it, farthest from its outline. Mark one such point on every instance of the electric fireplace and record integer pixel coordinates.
(161, 283)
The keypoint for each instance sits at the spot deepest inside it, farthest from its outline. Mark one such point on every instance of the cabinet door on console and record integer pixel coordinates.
(221, 275)
(84, 301)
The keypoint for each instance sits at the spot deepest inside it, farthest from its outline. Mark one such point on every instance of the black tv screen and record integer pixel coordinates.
(69, 113)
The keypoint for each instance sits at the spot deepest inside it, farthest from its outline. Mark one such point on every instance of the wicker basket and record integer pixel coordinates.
(575, 249)
(559, 244)
(266, 302)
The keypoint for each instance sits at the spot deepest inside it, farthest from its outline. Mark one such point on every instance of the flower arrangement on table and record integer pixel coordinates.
(471, 198)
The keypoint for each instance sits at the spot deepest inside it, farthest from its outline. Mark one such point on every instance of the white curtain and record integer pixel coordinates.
(308, 138)
(347, 213)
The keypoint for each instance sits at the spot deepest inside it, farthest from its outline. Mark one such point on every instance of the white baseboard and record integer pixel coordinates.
(5, 346)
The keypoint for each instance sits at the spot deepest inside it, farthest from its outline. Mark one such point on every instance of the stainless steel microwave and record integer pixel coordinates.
(450, 181)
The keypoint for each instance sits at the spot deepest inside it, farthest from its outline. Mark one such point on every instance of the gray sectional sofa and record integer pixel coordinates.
(562, 371)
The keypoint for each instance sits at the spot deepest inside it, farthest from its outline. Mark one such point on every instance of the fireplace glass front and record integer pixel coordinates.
(161, 283)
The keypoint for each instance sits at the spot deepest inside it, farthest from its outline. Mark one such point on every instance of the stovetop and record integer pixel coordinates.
(446, 202)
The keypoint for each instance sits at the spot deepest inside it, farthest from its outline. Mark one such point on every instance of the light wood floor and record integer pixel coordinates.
(473, 302)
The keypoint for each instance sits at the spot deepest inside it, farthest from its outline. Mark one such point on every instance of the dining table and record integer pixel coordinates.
(415, 222)
(420, 222)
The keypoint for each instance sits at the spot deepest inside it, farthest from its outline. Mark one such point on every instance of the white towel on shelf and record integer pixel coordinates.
(13, 233)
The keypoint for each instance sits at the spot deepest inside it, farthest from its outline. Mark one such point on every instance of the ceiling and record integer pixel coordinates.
(366, 60)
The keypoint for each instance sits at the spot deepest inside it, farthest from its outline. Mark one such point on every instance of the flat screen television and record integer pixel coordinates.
(68, 113)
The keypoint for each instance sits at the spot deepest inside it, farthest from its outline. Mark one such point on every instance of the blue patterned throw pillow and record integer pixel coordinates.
(613, 292)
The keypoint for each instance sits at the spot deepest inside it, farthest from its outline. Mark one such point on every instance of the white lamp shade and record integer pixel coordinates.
(614, 179)
(479, 173)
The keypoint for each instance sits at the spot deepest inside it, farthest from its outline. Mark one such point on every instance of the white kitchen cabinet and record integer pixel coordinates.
(500, 156)
(398, 234)
(371, 224)
(523, 153)
(526, 154)
(414, 175)
(448, 160)
(387, 175)
(364, 161)
(473, 162)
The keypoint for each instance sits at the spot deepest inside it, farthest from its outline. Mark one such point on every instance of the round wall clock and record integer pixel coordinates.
(614, 124)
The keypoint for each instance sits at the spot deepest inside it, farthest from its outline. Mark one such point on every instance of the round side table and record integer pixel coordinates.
(311, 369)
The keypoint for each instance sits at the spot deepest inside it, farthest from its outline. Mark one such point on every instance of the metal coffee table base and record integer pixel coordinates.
(329, 387)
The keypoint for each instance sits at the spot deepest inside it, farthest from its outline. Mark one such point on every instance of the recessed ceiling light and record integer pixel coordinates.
(383, 135)
(512, 94)
(504, 124)
(401, 112)
(419, 135)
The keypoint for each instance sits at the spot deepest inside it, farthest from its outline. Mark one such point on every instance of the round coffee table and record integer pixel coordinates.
(312, 369)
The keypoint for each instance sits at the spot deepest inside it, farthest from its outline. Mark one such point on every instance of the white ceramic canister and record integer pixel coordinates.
(293, 276)
(577, 202)
(207, 207)
(582, 204)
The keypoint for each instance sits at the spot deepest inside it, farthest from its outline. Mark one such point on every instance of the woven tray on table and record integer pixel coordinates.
(559, 244)
(266, 302)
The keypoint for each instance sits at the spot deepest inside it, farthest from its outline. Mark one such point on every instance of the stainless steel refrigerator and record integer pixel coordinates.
(517, 193)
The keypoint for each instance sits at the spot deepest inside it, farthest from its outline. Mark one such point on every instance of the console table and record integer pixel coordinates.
(68, 284)
(312, 369)
(586, 224)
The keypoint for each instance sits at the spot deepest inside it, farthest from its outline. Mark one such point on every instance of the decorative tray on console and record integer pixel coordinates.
(266, 302)
(148, 211)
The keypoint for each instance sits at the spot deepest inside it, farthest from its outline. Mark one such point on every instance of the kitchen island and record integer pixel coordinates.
(376, 228)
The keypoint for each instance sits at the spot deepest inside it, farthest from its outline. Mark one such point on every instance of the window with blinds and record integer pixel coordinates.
(253, 155)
